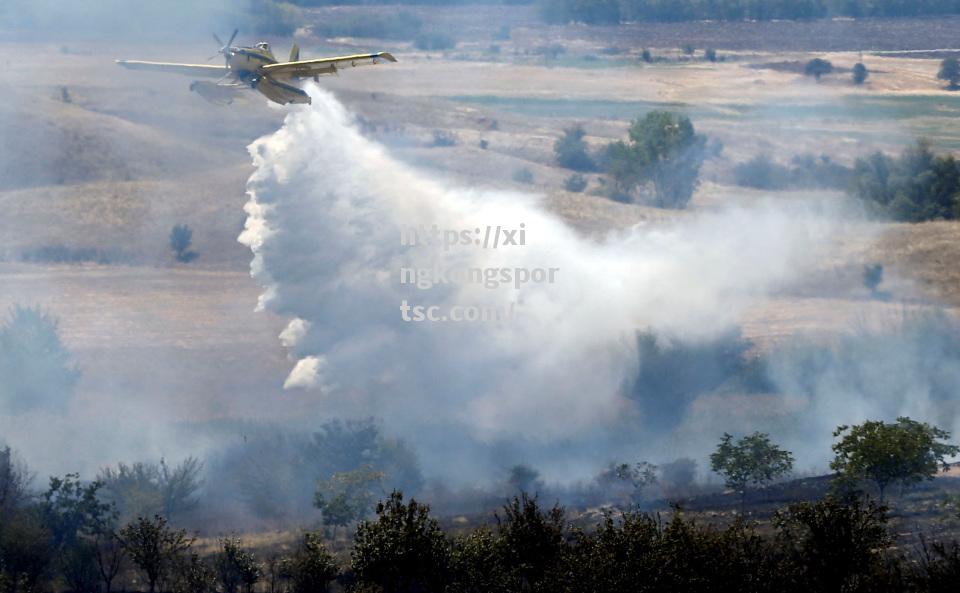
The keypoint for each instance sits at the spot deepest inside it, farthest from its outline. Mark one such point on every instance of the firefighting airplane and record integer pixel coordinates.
(257, 68)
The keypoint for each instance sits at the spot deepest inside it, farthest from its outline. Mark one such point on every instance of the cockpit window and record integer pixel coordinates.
(263, 45)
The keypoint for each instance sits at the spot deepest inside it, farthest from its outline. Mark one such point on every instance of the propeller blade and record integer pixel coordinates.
(213, 56)
(218, 40)
(232, 37)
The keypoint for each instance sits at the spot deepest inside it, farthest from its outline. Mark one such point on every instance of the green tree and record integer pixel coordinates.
(571, 150)
(817, 68)
(348, 496)
(154, 548)
(950, 72)
(403, 551)
(74, 515)
(905, 452)
(664, 151)
(860, 73)
(753, 459)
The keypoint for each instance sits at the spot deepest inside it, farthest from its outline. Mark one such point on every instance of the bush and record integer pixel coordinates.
(761, 173)
(710, 54)
(434, 41)
(236, 567)
(576, 183)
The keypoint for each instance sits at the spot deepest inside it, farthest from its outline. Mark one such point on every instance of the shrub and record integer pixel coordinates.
(710, 54)
(576, 183)
(761, 173)
(236, 567)
(646, 56)
(154, 548)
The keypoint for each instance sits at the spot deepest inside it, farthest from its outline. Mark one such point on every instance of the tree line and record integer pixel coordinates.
(71, 537)
(617, 11)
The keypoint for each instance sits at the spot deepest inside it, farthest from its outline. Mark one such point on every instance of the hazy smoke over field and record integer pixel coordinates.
(326, 212)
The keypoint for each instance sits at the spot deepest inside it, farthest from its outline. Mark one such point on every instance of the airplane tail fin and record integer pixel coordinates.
(295, 53)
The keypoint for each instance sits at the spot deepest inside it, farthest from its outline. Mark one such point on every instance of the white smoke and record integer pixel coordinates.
(326, 211)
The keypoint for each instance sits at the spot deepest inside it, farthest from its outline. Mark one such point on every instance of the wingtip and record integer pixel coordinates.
(387, 56)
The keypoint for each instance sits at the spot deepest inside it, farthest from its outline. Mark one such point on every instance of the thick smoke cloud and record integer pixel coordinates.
(326, 211)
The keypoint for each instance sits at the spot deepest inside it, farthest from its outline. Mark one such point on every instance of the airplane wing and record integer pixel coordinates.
(308, 68)
(191, 69)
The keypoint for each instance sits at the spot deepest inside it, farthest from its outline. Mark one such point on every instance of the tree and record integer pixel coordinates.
(235, 566)
(181, 236)
(403, 551)
(664, 151)
(571, 150)
(950, 72)
(311, 568)
(631, 480)
(818, 67)
(753, 459)
(347, 496)
(154, 547)
(905, 452)
(860, 73)
(35, 366)
(74, 514)
(145, 489)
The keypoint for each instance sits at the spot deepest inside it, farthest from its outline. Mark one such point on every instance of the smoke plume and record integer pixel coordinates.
(326, 211)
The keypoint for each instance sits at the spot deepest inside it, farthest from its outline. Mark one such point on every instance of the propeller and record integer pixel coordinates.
(224, 47)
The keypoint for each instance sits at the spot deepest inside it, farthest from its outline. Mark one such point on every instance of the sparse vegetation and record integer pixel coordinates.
(807, 171)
